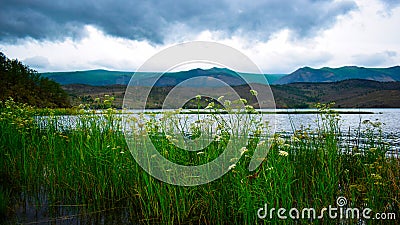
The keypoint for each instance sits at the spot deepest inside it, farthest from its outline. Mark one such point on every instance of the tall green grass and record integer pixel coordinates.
(91, 167)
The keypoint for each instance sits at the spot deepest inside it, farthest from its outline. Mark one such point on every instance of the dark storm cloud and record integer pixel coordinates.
(153, 19)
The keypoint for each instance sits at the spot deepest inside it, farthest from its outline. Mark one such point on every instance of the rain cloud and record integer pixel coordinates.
(153, 20)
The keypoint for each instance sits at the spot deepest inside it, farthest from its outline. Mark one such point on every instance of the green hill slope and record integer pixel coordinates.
(104, 77)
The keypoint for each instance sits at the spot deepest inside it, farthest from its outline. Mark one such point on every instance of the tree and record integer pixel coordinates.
(27, 86)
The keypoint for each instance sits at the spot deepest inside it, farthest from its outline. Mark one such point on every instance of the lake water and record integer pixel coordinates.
(351, 123)
(352, 120)
(289, 120)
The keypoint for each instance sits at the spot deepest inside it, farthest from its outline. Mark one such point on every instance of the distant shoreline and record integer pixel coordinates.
(362, 94)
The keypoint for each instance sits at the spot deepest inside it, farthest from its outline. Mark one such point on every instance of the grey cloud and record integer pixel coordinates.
(37, 62)
(375, 59)
(153, 19)
(391, 3)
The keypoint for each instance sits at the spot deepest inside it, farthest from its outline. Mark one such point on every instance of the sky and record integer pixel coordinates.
(280, 36)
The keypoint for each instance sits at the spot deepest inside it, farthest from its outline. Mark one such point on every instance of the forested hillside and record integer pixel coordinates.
(27, 86)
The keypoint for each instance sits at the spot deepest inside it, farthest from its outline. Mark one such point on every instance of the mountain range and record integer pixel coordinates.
(326, 74)
(105, 78)
(305, 74)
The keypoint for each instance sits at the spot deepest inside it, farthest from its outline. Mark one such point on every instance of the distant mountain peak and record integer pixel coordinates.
(327, 74)
(213, 69)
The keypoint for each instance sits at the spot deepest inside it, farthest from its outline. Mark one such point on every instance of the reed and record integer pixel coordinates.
(91, 166)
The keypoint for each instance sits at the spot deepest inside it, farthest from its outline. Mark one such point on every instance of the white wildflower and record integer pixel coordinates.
(243, 150)
(233, 159)
(283, 153)
(280, 141)
(218, 138)
(261, 143)
(295, 139)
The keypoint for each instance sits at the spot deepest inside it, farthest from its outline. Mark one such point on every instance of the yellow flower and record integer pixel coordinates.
(254, 92)
(249, 108)
(353, 186)
(280, 141)
(286, 145)
(376, 176)
(174, 141)
(233, 160)
(283, 153)
(261, 143)
(295, 139)
(243, 150)
(210, 105)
